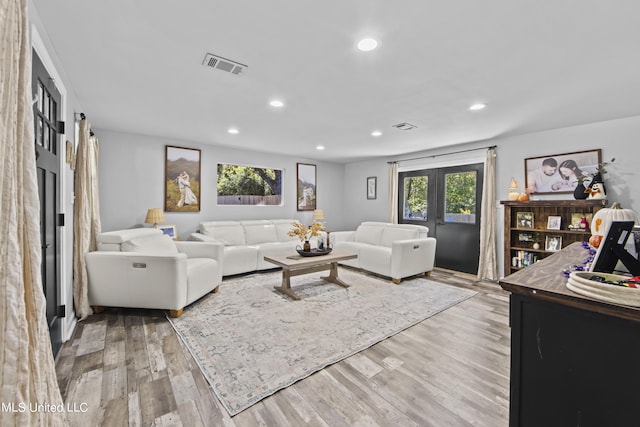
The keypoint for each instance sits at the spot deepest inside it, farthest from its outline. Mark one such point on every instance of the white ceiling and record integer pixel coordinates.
(136, 66)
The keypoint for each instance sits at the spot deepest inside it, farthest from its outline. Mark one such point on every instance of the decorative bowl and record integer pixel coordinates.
(314, 252)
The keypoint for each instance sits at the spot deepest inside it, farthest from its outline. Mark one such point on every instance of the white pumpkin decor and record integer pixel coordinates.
(605, 216)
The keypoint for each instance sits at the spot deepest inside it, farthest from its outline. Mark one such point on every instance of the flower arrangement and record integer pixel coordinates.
(303, 232)
(600, 170)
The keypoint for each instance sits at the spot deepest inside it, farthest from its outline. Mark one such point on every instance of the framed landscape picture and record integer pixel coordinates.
(306, 187)
(182, 179)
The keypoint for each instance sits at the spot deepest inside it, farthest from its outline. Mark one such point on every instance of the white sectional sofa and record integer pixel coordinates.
(392, 250)
(247, 242)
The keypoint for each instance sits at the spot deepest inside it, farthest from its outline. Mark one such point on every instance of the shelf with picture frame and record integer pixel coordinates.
(527, 236)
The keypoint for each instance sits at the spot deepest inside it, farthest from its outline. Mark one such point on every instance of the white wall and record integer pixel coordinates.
(131, 179)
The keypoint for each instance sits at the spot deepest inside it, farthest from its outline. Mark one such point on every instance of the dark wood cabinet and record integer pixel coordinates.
(573, 358)
(525, 223)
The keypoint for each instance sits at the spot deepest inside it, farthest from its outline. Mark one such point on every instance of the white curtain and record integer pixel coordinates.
(393, 193)
(86, 215)
(27, 369)
(488, 262)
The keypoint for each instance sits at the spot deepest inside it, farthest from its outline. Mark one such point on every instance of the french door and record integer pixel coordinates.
(447, 200)
(46, 116)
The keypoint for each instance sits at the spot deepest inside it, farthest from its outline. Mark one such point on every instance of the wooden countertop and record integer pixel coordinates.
(544, 280)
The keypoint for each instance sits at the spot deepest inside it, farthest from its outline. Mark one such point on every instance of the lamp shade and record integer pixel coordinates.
(318, 215)
(154, 216)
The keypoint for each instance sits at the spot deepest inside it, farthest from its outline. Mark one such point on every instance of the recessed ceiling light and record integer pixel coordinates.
(320, 147)
(276, 103)
(233, 130)
(478, 107)
(367, 44)
(376, 133)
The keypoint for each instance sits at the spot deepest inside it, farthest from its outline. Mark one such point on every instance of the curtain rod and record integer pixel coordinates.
(443, 154)
(83, 117)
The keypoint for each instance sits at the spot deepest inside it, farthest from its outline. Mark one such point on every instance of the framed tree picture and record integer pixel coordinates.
(182, 179)
(306, 187)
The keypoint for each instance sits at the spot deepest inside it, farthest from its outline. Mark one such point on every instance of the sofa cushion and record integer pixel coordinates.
(283, 226)
(229, 233)
(391, 234)
(259, 232)
(111, 240)
(155, 244)
(370, 234)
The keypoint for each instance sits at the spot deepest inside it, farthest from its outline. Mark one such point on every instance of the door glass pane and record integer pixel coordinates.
(47, 101)
(415, 198)
(39, 130)
(40, 96)
(460, 197)
(45, 141)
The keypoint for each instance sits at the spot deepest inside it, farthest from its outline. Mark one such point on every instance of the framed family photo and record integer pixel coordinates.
(524, 219)
(553, 243)
(560, 173)
(553, 222)
(181, 179)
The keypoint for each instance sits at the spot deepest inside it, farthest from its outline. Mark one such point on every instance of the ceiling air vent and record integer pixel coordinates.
(223, 64)
(405, 126)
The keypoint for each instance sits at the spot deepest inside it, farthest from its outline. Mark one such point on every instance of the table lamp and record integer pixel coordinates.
(154, 216)
(318, 215)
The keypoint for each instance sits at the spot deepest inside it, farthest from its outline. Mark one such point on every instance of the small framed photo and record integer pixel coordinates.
(169, 230)
(553, 222)
(372, 187)
(524, 219)
(553, 243)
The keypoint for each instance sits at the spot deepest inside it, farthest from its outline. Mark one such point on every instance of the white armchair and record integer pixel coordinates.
(143, 268)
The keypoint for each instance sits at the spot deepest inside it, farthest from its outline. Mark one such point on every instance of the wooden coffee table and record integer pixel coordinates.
(295, 265)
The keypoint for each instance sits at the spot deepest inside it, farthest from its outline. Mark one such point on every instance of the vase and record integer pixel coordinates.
(307, 246)
(579, 192)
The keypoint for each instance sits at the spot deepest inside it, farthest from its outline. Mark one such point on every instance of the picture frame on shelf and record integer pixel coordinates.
(554, 222)
(169, 230)
(524, 219)
(558, 173)
(372, 187)
(576, 221)
(553, 243)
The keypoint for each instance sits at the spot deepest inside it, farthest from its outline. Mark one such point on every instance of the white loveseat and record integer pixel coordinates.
(392, 250)
(247, 242)
(143, 268)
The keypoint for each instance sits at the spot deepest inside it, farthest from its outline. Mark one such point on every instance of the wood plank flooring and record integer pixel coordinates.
(128, 367)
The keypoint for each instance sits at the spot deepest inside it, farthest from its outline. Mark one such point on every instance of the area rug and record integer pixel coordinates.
(251, 341)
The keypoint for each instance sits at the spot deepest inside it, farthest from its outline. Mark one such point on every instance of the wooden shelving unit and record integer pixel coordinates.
(523, 250)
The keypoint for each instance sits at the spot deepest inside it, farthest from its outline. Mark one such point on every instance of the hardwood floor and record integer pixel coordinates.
(128, 367)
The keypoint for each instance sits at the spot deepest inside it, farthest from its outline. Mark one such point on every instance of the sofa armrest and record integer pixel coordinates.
(342, 236)
(201, 249)
(137, 279)
(413, 256)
